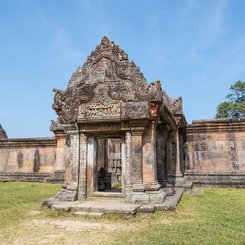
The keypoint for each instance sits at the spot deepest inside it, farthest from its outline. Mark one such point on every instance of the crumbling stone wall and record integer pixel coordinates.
(20, 157)
(216, 148)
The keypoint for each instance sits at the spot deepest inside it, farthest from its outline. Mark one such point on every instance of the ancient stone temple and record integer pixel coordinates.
(118, 136)
(121, 134)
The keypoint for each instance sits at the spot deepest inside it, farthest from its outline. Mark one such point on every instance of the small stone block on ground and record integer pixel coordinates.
(124, 208)
(171, 202)
(147, 208)
(82, 213)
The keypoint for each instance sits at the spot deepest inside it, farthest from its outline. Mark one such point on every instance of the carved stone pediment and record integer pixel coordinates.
(107, 82)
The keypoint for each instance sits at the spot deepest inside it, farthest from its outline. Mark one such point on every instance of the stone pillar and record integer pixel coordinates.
(82, 181)
(69, 188)
(149, 157)
(138, 189)
(74, 162)
(178, 172)
(152, 187)
(123, 161)
(175, 176)
(170, 155)
(60, 137)
(161, 154)
(91, 166)
(182, 150)
(128, 165)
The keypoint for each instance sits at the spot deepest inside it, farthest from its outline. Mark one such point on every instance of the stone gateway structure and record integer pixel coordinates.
(115, 126)
(118, 135)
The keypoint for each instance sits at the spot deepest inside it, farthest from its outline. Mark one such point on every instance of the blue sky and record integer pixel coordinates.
(196, 48)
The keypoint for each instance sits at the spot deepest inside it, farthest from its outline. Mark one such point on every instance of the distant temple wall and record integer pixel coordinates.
(215, 150)
(214, 154)
(28, 159)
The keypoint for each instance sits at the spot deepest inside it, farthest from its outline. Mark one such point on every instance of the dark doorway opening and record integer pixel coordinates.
(109, 165)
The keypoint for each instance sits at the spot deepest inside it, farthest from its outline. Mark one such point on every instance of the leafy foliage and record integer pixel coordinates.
(235, 106)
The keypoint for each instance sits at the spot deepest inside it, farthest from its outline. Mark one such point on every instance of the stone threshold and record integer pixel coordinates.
(99, 207)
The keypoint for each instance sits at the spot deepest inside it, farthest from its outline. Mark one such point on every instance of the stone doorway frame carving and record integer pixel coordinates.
(92, 163)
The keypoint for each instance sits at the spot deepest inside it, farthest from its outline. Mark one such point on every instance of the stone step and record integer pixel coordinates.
(107, 197)
(107, 194)
(82, 213)
(171, 202)
(147, 208)
(113, 205)
(106, 207)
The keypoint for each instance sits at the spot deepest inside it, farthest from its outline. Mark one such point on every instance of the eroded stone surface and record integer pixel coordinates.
(3, 134)
(110, 96)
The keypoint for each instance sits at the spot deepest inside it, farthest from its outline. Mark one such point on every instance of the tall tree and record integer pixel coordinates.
(235, 106)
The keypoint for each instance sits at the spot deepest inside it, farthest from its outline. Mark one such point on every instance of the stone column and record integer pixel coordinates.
(161, 154)
(69, 188)
(60, 137)
(128, 164)
(91, 166)
(82, 180)
(152, 187)
(138, 189)
(178, 172)
(175, 175)
(149, 157)
(123, 165)
(169, 156)
(182, 150)
(74, 161)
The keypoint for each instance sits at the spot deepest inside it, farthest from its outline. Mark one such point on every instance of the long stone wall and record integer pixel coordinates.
(214, 154)
(28, 159)
(215, 151)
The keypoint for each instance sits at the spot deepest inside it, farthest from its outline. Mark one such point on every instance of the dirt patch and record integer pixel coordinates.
(166, 221)
(73, 225)
(33, 213)
(80, 225)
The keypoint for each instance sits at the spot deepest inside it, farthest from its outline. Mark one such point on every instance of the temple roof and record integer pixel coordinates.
(109, 81)
(3, 134)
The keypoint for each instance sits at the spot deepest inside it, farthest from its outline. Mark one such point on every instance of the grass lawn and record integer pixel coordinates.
(204, 216)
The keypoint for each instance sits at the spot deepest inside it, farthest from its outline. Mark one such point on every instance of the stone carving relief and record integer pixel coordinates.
(136, 110)
(103, 107)
(232, 151)
(107, 73)
(55, 126)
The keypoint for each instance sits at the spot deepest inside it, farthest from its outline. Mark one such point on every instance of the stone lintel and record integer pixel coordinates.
(137, 131)
(140, 123)
(71, 127)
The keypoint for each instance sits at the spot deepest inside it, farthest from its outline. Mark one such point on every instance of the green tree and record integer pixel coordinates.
(235, 106)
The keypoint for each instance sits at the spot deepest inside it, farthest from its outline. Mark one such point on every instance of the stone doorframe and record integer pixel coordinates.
(88, 174)
(139, 165)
